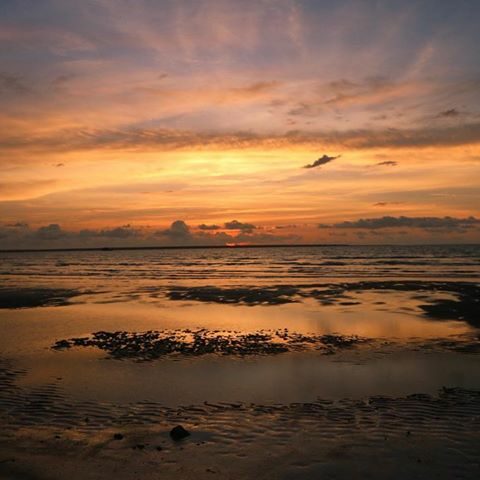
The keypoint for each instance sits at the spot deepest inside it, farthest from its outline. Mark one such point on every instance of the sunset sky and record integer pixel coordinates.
(211, 122)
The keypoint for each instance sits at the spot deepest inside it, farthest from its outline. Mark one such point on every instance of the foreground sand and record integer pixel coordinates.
(418, 436)
(51, 429)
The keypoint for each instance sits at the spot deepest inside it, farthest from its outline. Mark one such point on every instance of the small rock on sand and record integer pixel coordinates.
(178, 433)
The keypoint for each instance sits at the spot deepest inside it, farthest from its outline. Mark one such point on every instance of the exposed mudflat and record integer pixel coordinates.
(45, 435)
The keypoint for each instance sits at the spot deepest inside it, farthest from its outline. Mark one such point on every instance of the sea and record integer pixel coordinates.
(248, 266)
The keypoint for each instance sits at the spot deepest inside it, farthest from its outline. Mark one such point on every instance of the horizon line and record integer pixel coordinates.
(198, 247)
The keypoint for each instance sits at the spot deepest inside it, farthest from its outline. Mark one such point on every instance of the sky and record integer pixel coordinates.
(191, 122)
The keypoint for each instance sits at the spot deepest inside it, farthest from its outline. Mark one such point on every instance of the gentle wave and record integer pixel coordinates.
(223, 265)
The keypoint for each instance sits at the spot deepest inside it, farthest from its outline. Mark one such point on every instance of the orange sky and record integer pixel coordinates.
(119, 119)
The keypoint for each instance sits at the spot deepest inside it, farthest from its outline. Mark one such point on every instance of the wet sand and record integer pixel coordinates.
(371, 379)
(418, 436)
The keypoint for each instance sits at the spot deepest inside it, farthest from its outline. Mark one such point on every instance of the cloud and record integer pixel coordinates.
(178, 231)
(203, 226)
(373, 90)
(387, 163)
(236, 225)
(370, 93)
(451, 113)
(125, 231)
(50, 232)
(321, 161)
(255, 89)
(428, 223)
(19, 235)
(172, 139)
(384, 204)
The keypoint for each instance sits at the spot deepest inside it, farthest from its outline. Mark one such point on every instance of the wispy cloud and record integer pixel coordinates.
(387, 163)
(171, 139)
(450, 113)
(407, 222)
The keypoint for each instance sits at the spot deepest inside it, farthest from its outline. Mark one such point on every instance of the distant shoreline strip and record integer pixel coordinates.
(200, 247)
(171, 247)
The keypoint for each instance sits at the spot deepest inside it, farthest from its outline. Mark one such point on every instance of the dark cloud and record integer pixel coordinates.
(384, 204)
(321, 161)
(178, 231)
(451, 113)
(125, 231)
(51, 232)
(449, 223)
(203, 226)
(120, 232)
(236, 225)
(19, 235)
(388, 163)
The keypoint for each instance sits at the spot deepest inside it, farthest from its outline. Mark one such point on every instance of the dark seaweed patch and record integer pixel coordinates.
(464, 308)
(155, 344)
(242, 295)
(36, 297)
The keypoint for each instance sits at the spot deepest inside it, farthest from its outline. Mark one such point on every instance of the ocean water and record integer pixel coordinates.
(246, 266)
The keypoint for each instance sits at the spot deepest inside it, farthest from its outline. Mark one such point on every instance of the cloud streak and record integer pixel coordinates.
(173, 139)
(407, 222)
(387, 163)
